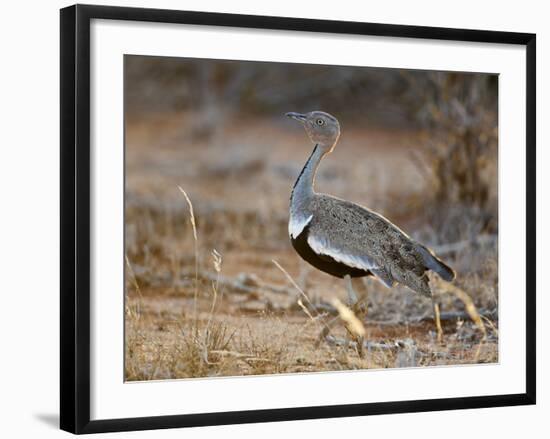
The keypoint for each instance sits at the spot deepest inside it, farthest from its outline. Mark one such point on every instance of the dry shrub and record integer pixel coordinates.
(459, 113)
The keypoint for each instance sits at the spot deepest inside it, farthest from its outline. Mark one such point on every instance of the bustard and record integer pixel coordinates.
(345, 239)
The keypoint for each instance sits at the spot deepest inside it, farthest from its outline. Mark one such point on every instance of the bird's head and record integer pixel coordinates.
(322, 128)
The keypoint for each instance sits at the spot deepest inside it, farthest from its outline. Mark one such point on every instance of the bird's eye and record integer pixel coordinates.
(320, 122)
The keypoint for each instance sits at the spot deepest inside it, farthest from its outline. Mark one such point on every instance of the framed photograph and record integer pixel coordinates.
(268, 218)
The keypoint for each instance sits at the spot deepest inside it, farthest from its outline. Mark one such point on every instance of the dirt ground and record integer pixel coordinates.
(219, 304)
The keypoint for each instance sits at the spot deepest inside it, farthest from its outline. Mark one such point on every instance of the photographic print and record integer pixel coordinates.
(290, 218)
(238, 213)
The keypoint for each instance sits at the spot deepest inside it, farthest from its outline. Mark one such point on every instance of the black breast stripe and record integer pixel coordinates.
(323, 262)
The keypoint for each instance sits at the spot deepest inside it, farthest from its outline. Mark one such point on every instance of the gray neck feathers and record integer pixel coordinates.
(303, 188)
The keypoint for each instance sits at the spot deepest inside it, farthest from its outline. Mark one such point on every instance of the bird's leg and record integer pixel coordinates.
(352, 296)
(358, 306)
(361, 308)
(355, 304)
(352, 300)
(437, 319)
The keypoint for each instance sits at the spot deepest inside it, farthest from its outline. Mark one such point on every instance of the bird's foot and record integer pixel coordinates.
(360, 344)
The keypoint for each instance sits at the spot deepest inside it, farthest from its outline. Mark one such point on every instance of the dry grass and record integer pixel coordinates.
(204, 298)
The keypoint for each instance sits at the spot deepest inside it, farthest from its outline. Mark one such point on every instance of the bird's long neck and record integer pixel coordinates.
(303, 188)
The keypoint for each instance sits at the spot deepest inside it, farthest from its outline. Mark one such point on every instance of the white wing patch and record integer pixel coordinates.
(322, 247)
(297, 224)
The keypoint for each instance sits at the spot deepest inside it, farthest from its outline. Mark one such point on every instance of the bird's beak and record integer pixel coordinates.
(298, 116)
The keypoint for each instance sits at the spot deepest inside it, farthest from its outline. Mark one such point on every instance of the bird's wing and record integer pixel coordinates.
(354, 236)
(360, 238)
(349, 257)
(384, 276)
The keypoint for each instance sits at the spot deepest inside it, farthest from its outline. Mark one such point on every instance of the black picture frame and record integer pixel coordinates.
(75, 217)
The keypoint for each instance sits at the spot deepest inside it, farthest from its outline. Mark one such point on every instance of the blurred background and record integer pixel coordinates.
(420, 147)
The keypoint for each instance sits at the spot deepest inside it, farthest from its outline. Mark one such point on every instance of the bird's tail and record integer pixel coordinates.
(434, 263)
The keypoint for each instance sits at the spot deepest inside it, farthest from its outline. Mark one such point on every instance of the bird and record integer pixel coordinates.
(345, 239)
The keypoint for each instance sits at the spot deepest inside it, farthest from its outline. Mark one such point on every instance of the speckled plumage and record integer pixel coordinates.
(344, 238)
(361, 238)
